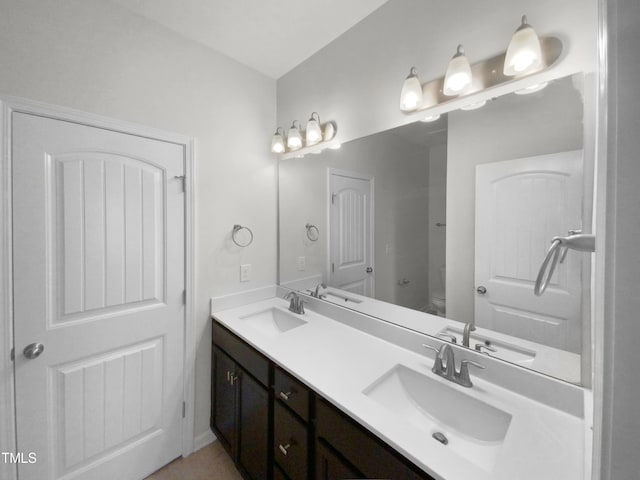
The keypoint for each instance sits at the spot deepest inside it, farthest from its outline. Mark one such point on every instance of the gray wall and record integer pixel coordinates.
(621, 416)
(98, 57)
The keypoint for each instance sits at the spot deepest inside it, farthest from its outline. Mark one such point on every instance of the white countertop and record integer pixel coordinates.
(339, 362)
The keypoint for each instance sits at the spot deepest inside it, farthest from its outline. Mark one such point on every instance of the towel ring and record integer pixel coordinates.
(238, 228)
(312, 232)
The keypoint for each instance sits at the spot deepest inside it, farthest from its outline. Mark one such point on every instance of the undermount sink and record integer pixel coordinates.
(505, 350)
(273, 321)
(472, 428)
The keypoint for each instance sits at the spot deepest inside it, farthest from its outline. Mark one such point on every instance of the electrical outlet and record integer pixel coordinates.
(302, 264)
(245, 272)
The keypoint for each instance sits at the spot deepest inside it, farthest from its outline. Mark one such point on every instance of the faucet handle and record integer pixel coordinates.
(449, 336)
(463, 377)
(437, 362)
(430, 347)
(481, 347)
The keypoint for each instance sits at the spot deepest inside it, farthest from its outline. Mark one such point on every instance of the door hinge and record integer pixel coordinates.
(333, 268)
(183, 179)
(184, 409)
(184, 297)
(333, 198)
(13, 354)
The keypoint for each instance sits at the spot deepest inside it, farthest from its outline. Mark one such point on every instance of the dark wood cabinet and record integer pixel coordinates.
(240, 411)
(360, 448)
(331, 466)
(276, 428)
(224, 399)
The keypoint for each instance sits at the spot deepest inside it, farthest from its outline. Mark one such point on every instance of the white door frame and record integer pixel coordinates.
(9, 105)
(361, 176)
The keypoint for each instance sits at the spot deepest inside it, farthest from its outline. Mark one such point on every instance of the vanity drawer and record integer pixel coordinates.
(290, 449)
(360, 448)
(250, 359)
(292, 393)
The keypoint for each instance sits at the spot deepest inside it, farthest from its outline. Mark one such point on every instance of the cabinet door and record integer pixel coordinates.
(330, 466)
(290, 443)
(253, 427)
(224, 399)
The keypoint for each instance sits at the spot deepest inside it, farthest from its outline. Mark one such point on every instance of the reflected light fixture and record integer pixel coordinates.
(294, 140)
(277, 141)
(524, 54)
(411, 95)
(314, 132)
(458, 76)
(312, 139)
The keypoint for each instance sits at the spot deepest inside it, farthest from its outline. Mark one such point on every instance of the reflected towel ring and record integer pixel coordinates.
(234, 233)
(312, 232)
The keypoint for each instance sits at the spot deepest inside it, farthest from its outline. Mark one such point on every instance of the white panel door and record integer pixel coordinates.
(520, 206)
(351, 224)
(99, 276)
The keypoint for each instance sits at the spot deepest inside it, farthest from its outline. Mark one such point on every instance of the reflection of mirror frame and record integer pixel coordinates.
(414, 319)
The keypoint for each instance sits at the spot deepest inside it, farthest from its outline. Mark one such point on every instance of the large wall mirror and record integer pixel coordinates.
(451, 220)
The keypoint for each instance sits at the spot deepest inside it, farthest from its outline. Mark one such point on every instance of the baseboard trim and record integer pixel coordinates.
(203, 440)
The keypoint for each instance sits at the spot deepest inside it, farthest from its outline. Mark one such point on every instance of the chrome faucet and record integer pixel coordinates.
(444, 365)
(317, 290)
(296, 305)
(468, 328)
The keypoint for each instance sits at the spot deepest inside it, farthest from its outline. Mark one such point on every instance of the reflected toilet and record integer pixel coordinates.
(438, 296)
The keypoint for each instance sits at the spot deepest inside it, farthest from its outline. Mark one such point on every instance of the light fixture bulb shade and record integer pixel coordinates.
(411, 95)
(314, 132)
(458, 77)
(277, 143)
(524, 54)
(294, 140)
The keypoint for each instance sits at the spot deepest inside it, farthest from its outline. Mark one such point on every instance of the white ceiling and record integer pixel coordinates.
(271, 36)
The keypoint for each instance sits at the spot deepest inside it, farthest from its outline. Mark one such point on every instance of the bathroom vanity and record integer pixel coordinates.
(332, 394)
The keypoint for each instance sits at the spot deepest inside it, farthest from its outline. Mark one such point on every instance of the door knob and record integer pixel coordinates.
(33, 350)
(481, 290)
(369, 269)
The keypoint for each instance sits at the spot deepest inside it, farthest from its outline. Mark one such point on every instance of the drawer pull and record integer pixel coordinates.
(284, 448)
(285, 395)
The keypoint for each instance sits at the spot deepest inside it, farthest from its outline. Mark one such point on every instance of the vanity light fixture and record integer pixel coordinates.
(532, 89)
(524, 54)
(411, 95)
(458, 77)
(314, 132)
(430, 118)
(474, 106)
(277, 141)
(527, 54)
(294, 139)
(329, 131)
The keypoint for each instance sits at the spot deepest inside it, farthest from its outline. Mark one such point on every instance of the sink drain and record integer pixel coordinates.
(439, 436)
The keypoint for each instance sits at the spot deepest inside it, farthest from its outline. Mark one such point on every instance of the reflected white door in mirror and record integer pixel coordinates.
(520, 204)
(351, 232)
